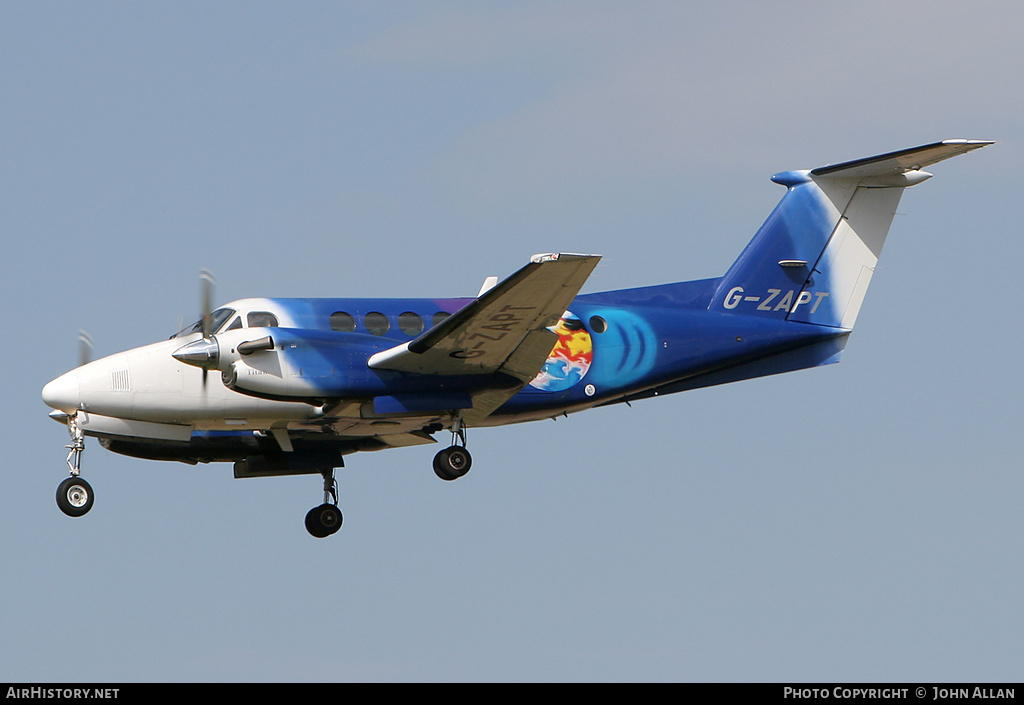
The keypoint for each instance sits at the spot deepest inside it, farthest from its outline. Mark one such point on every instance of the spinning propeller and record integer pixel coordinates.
(203, 353)
(206, 284)
(85, 348)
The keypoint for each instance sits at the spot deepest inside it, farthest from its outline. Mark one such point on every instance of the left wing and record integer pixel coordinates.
(504, 330)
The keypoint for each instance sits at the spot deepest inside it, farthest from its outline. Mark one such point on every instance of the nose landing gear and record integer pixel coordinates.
(75, 495)
(324, 520)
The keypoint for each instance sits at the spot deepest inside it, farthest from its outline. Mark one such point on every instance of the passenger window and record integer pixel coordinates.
(342, 322)
(438, 317)
(261, 319)
(376, 323)
(410, 323)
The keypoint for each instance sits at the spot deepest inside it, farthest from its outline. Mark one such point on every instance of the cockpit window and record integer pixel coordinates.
(235, 324)
(217, 319)
(261, 319)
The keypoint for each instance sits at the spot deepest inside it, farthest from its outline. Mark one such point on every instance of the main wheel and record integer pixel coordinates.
(323, 521)
(74, 496)
(452, 463)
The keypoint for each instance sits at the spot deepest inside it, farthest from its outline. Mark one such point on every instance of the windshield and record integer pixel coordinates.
(217, 319)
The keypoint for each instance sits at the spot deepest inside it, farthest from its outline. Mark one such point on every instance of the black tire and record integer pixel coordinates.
(441, 466)
(74, 496)
(323, 521)
(452, 463)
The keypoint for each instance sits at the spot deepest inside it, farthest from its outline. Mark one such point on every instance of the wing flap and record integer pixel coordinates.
(523, 364)
(527, 359)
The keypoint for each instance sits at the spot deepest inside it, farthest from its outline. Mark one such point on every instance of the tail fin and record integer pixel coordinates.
(812, 260)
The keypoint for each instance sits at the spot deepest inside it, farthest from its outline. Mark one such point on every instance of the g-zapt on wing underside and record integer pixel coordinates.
(503, 329)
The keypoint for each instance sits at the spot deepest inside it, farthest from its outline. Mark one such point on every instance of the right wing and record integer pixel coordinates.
(504, 330)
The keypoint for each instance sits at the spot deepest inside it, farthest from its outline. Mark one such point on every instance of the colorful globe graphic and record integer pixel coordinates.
(569, 359)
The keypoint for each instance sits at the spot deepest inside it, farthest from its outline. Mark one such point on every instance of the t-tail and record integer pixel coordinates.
(812, 260)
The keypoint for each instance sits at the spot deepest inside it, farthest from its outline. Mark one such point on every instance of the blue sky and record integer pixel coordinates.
(856, 522)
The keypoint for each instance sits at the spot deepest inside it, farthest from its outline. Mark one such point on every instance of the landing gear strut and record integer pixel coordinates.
(454, 461)
(326, 519)
(75, 495)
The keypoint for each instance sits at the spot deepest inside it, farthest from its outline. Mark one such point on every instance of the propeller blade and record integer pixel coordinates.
(206, 285)
(84, 348)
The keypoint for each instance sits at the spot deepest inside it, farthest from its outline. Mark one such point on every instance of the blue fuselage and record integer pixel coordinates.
(611, 346)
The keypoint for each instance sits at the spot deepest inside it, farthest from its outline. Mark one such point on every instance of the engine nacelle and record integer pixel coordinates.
(284, 364)
(242, 377)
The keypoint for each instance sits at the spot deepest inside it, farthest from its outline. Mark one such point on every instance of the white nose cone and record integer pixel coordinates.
(62, 393)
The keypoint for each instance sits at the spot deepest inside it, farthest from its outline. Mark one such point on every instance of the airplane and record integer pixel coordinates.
(291, 386)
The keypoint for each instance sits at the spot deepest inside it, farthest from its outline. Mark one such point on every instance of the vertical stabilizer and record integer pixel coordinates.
(835, 288)
(812, 260)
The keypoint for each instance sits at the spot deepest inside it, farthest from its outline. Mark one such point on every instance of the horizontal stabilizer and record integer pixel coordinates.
(900, 162)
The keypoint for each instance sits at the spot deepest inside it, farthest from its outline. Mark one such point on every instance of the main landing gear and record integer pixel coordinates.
(75, 495)
(326, 519)
(450, 463)
(454, 461)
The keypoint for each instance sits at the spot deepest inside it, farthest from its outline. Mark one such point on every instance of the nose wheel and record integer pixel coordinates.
(324, 520)
(75, 495)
